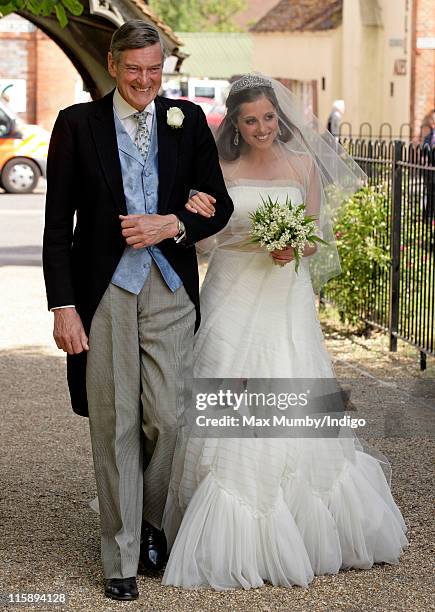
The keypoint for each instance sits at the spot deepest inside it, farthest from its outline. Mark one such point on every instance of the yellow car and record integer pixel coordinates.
(23, 153)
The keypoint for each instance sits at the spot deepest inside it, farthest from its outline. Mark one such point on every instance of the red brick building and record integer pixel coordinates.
(423, 62)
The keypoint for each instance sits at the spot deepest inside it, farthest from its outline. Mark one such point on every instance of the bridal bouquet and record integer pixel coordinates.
(279, 226)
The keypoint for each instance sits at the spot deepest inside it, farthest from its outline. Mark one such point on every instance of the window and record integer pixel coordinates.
(5, 124)
(204, 92)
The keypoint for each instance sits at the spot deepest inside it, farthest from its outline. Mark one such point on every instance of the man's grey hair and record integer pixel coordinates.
(135, 34)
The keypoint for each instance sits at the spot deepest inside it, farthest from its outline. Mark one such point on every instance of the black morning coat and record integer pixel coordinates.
(84, 178)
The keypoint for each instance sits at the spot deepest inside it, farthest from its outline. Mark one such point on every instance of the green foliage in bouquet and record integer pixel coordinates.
(44, 8)
(361, 231)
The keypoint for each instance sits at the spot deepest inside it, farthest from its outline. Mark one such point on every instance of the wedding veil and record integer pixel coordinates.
(302, 156)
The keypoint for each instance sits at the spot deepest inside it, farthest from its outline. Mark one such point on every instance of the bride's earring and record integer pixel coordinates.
(236, 137)
(279, 130)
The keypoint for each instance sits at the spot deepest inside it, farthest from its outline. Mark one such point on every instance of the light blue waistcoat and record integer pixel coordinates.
(141, 188)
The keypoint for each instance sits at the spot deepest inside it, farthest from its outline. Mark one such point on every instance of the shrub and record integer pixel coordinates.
(361, 231)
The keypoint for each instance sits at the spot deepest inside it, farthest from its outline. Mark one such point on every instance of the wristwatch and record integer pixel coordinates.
(181, 232)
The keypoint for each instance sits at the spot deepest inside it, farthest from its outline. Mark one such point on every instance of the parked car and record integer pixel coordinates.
(23, 152)
(214, 112)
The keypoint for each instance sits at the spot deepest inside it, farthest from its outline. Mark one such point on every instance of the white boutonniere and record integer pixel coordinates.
(175, 117)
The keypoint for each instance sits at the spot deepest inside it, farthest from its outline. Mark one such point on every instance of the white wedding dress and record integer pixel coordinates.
(244, 511)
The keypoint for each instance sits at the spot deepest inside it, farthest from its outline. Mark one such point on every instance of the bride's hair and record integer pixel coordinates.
(229, 151)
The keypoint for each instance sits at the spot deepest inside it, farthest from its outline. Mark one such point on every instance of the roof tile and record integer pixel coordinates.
(301, 15)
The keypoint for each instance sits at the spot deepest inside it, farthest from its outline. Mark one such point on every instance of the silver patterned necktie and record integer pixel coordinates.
(142, 139)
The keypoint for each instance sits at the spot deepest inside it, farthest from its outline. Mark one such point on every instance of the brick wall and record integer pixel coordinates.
(56, 80)
(14, 55)
(424, 68)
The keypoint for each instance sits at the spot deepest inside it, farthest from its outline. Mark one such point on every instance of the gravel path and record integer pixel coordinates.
(50, 540)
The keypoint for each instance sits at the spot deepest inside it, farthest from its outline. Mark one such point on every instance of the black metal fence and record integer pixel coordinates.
(385, 131)
(402, 297)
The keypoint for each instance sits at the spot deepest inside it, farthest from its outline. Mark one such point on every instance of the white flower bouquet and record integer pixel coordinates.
(278, 226)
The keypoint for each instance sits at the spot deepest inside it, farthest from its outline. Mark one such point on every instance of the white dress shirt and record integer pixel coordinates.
(125, 112)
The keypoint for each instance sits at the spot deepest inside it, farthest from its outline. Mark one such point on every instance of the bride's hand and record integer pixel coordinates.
(309, 249)
(283, 255)
(287, 255)
(201, 203)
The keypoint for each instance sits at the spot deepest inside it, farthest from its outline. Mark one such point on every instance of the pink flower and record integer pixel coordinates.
(338, 235)
(402, 247)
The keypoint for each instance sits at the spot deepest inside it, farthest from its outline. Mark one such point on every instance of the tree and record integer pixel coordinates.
(198, 15)
(181, 15)
(61, 8)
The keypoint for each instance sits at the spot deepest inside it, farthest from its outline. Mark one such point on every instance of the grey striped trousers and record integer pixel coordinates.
(140, 356)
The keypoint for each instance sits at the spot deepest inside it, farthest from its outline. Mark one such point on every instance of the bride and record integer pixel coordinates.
(242, 511)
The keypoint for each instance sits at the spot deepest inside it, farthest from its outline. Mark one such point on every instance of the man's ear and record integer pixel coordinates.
(111, 67)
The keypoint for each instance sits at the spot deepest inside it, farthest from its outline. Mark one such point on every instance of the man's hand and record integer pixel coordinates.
(69, 333)
(287, 255)
(142, 231)
(201, 203)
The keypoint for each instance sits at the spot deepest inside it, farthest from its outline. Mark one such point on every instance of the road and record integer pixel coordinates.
(23, 306)
(21, 227)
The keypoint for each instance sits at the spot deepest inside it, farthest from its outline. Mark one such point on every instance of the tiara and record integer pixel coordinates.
(248, 81)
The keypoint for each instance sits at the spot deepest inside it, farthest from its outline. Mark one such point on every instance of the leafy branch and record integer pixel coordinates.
(199, 15)
(43, 8)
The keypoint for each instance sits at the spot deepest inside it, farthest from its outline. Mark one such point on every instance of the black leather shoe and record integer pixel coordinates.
(152, 548)
(124, 589)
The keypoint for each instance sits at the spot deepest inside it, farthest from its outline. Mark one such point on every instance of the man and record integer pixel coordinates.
(335, 117)
(429, 174)
(124, 284)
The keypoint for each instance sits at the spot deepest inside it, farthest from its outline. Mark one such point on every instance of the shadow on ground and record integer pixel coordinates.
(21, 256)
